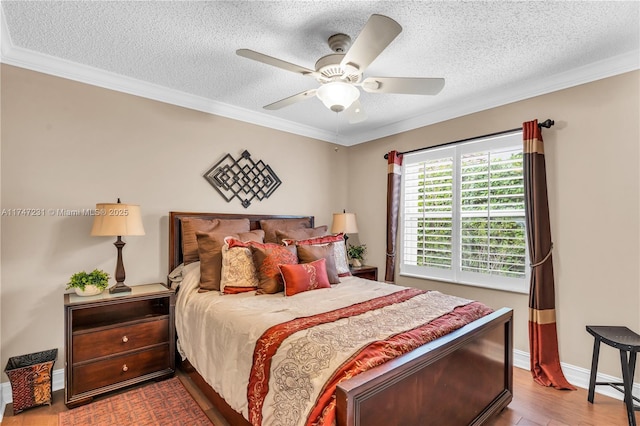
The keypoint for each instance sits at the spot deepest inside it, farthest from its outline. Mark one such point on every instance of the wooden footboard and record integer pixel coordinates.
(463, 378)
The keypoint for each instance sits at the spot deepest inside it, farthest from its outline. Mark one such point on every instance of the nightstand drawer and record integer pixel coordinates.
(366, 272)
(95, 344)
(98, 374)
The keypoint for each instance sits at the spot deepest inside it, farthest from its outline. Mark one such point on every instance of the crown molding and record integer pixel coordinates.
(35, 61)
(24, 58)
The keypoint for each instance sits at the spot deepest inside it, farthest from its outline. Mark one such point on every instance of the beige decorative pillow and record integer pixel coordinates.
(210, 253)
(342, 261)
(270, 226)
(300, 234)
(310, 253)
(238, 271)
(191, 225)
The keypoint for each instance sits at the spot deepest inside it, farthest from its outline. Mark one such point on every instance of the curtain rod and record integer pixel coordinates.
(546, 124)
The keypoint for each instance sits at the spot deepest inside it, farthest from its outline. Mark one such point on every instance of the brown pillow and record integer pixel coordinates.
(191, 225)
(270, 226)
(267, 258)
(301, 234)
(307, 254)
(210, 253)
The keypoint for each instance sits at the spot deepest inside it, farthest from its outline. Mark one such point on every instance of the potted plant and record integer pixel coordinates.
(89, 284)
(356, 254)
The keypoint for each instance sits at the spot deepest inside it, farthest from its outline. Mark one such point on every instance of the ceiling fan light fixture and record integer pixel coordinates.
(338, 96)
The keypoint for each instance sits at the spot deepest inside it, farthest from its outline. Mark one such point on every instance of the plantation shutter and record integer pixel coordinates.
(463, 214)
(492, 213)
(428, 218)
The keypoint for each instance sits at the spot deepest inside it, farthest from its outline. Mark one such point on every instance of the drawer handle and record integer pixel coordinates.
(125, 368)
(125, 339)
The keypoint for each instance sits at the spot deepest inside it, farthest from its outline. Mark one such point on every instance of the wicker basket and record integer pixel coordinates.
(30, 377)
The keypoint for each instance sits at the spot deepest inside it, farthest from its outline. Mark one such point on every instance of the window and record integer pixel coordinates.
(463, 214)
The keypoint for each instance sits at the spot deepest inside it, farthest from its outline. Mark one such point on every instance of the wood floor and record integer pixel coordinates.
(532, 405)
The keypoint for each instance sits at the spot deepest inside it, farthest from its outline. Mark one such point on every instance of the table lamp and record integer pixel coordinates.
(117, 220)
(345, 223)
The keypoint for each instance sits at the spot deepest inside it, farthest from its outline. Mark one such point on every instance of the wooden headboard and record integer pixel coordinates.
(175, 228)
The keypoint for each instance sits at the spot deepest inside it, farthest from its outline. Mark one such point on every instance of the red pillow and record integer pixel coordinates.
(304, 277)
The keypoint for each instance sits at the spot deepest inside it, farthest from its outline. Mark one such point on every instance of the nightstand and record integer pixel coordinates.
(366, 272)
(117, 340)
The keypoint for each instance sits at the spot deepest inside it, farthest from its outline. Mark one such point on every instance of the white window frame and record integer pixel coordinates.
(455, 274)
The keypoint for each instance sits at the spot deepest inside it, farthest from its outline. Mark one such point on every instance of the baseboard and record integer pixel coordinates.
(577, 376)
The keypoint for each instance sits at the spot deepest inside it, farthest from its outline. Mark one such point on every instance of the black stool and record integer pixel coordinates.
(628, 343)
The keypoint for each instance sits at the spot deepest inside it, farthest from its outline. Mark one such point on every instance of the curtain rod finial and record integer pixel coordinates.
(547, 123)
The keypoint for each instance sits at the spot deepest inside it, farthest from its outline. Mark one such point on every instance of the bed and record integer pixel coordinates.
(463, 377)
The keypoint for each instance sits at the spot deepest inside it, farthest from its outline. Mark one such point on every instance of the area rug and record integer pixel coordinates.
(165, 403)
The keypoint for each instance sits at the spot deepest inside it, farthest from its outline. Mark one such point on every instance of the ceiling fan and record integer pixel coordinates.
(341, 73)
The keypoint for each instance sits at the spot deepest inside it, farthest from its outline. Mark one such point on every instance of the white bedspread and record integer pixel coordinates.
(217, 333)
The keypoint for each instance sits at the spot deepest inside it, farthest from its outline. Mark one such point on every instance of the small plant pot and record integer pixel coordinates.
(89, 290)
(356, 263)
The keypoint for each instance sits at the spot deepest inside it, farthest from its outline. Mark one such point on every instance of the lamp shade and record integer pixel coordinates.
(116, 219)
(345, 223)
(338, 96)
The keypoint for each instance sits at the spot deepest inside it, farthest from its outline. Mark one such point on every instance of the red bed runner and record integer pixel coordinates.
(366, 358)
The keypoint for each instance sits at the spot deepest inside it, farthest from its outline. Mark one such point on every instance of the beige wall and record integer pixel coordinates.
(67, 145)
(592, 157)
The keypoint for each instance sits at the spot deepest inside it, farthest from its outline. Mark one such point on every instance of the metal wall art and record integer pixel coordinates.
(243, 179)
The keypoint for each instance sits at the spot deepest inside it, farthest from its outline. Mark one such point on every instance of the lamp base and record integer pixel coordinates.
(120, 287)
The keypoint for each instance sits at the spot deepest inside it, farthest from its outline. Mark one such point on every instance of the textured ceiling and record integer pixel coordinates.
(490, 53)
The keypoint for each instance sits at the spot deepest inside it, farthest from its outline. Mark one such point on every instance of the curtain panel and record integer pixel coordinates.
(394, 178)
(543, 338)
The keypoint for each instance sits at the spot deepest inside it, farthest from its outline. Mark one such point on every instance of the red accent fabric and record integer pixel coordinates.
(234, 242)
(368, 357)
(545, 364)
(272, 338)
(236, 290)
(305, 277)
(319, 240)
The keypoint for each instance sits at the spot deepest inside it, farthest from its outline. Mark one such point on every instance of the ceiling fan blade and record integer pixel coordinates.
(270, 60)
(291, 100)
(376, 35)
(355, 113)
(407, 86)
